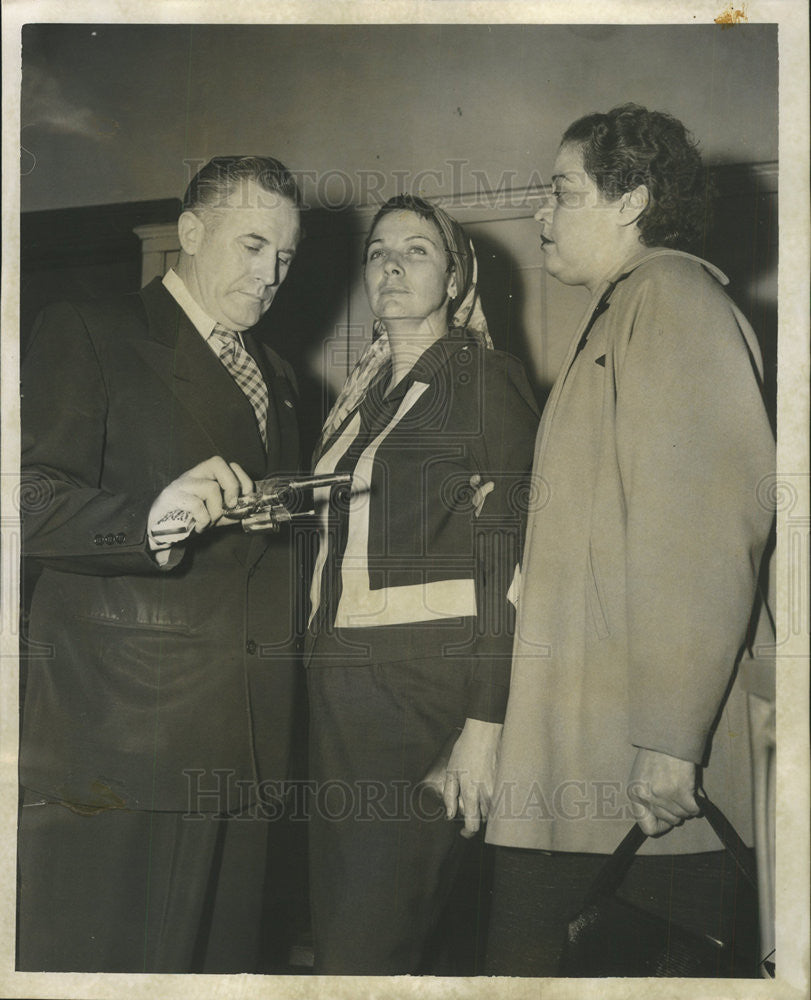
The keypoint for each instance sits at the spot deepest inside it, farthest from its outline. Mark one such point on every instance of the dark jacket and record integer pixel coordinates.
(146, 682)
(408, 569)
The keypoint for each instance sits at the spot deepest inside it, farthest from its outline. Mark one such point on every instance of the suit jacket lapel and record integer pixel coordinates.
(199, 382)
(282, 427)
(187, 366)
(282, 423)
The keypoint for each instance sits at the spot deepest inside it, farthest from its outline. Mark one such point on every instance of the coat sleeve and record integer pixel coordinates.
(70, 522)
(508, 418)
(694, 448)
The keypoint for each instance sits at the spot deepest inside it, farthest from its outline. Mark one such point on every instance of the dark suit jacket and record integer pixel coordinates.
(155, 683)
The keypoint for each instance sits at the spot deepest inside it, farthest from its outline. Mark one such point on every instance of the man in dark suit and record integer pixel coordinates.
(160, 720)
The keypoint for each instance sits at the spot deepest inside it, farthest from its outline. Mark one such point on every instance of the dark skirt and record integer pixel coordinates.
(383, 857)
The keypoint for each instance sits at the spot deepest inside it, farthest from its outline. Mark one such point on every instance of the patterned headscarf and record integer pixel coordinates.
(467, 313)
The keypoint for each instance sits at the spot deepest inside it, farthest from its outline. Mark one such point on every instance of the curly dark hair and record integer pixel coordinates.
(629, 146)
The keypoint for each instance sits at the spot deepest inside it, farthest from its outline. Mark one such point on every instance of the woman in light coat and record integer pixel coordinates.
(640, 569)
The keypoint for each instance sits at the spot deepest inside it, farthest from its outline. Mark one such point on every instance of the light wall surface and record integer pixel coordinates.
(115, 113)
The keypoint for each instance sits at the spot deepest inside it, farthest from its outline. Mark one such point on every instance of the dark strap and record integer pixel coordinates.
(728, 836)
(613, 872)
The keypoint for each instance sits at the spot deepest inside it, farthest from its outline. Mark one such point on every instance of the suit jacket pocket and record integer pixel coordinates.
(138, 624)
(135, 603)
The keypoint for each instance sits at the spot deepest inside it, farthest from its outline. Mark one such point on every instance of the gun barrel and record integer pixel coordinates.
(324, 479)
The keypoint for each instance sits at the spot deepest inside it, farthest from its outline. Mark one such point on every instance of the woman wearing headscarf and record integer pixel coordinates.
(409, 635)
(640, 573)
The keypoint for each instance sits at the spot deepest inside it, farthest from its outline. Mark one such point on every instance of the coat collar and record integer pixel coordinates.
(650, 253)
(426, 368)
(602, 294)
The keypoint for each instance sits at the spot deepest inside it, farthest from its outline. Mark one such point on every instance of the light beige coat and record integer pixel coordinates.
(652, 465)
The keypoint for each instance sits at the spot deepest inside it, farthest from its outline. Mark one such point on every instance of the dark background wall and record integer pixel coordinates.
(116, 117)
(111, 112)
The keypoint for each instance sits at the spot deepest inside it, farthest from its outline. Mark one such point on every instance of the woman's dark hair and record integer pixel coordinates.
(629, 146)
(214, 183)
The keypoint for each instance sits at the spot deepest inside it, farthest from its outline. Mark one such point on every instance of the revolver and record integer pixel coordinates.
(280, 499)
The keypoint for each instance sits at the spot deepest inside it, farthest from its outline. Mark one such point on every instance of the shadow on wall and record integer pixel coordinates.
(744, 244)
(310, 305)
(503, 293)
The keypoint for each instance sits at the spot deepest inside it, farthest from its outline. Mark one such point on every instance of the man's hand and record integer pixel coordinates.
(662, 791)
(195, 501)
(471, 773)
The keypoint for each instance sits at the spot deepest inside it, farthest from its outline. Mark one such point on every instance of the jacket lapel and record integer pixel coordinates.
(201, 385)
(210, 396)
(283, 402)
(282, 426)
(282, 422)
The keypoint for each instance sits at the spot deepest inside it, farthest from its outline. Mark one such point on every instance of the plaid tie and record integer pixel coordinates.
(246, 372)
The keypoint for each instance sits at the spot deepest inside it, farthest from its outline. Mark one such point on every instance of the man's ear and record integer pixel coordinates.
(633, 204)
(190, 231)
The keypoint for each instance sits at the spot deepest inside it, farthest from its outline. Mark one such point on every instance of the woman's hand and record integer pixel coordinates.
(662, 791)
(480, 492)
(471, 772)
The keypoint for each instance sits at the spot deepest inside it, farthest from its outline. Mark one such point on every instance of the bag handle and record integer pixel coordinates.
(729, 837)
(611, 875)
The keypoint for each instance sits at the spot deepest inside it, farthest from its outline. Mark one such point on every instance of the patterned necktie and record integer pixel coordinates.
(246, 372)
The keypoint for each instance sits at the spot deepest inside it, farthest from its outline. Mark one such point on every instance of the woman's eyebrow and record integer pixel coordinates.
(416, 236)
(419, 236)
